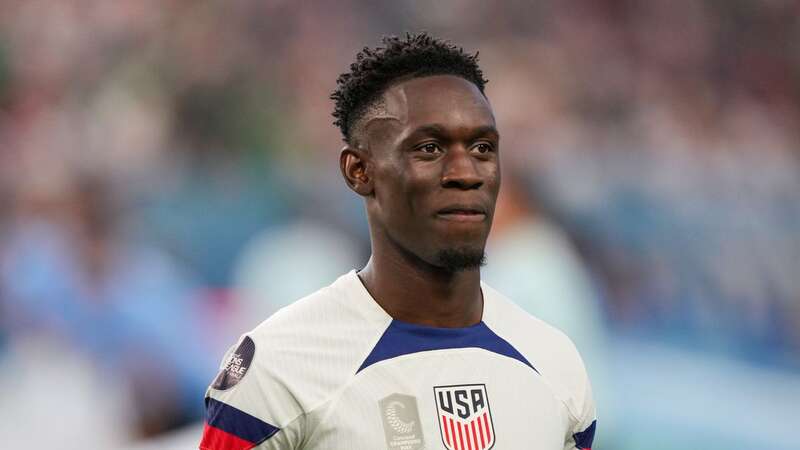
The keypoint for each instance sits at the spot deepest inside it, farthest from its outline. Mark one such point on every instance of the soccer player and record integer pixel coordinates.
(413, 351)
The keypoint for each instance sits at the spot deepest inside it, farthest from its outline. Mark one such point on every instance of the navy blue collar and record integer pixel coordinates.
(403, 338)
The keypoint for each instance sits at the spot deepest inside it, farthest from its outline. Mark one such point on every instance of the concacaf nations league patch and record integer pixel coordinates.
(236, 366)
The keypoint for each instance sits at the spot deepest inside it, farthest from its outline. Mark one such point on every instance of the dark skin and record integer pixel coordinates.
(427, 166)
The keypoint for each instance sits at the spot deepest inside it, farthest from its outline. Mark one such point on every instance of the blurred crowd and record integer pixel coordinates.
(168, 175)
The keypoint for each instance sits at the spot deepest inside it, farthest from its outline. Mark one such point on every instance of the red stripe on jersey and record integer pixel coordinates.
(474, 441)
(466, 433)
(446, 431)
(460, 437)
(486, 424)
(480, 428)
(474, 435)
(216, 439)
(453, 433)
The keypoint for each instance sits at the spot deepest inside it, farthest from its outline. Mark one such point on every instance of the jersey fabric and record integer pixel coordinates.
(334, 371)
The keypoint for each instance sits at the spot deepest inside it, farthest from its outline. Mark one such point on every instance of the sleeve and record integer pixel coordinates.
(248, 406)
(581, 435)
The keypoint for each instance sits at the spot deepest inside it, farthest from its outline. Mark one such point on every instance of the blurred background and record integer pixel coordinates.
(168, 179)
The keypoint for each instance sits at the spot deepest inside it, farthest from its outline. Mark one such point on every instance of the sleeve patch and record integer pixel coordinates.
(584, 439)
(236, 366)
(228, 428)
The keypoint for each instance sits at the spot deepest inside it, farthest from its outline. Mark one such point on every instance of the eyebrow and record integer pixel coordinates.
(440, 131)
(486, 130)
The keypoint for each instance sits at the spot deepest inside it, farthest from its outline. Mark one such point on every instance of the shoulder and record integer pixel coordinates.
(315, 345)
(550, 351)
(292, 365)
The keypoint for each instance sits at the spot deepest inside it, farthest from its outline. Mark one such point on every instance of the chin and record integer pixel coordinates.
(459, 259)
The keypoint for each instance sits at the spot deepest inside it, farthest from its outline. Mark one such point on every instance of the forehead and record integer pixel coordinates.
(446, 100)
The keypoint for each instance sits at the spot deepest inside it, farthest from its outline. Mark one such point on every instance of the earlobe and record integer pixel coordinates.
(354, 166)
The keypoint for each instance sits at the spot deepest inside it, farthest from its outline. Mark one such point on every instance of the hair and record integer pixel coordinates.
(375, 69)
(455, 260)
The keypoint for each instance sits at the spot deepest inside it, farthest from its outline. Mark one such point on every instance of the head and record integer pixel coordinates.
(421, 147)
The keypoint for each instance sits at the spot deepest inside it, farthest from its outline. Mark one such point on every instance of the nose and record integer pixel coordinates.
(460, 170)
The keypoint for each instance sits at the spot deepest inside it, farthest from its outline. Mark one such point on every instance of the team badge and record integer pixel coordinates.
(401, 422)
(236, 366)
(464, 417)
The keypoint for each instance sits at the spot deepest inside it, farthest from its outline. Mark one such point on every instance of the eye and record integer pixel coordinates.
(483, 147)
(429, 148)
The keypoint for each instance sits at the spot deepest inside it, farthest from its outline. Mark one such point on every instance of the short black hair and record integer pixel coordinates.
(413, 56)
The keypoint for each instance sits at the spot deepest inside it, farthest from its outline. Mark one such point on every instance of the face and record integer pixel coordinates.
(432, 171)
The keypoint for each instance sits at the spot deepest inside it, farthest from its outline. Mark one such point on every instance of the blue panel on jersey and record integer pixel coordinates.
(402, 338)
(585, 438)
(237, 422)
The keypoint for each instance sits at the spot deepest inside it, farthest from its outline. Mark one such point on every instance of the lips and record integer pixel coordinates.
(462, 213)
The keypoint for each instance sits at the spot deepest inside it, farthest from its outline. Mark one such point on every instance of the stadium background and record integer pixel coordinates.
(168, 178)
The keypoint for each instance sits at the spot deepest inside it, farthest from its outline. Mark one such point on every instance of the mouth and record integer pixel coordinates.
(462, 213)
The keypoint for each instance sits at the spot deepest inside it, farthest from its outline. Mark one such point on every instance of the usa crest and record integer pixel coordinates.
(464, 416)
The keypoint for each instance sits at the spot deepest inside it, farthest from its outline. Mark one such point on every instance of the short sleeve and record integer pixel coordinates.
(582, 434)
(247, 405)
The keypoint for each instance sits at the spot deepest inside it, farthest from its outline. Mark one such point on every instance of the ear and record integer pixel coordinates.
(355, 170)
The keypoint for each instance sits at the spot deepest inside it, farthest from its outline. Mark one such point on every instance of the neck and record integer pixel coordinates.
(422, 294)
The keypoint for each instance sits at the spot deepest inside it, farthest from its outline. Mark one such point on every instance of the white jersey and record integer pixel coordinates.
(334, 371)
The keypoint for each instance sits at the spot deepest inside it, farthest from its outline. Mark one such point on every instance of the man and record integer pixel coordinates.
(413, 351)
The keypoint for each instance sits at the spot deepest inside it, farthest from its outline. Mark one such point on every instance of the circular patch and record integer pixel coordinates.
(236, 366)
